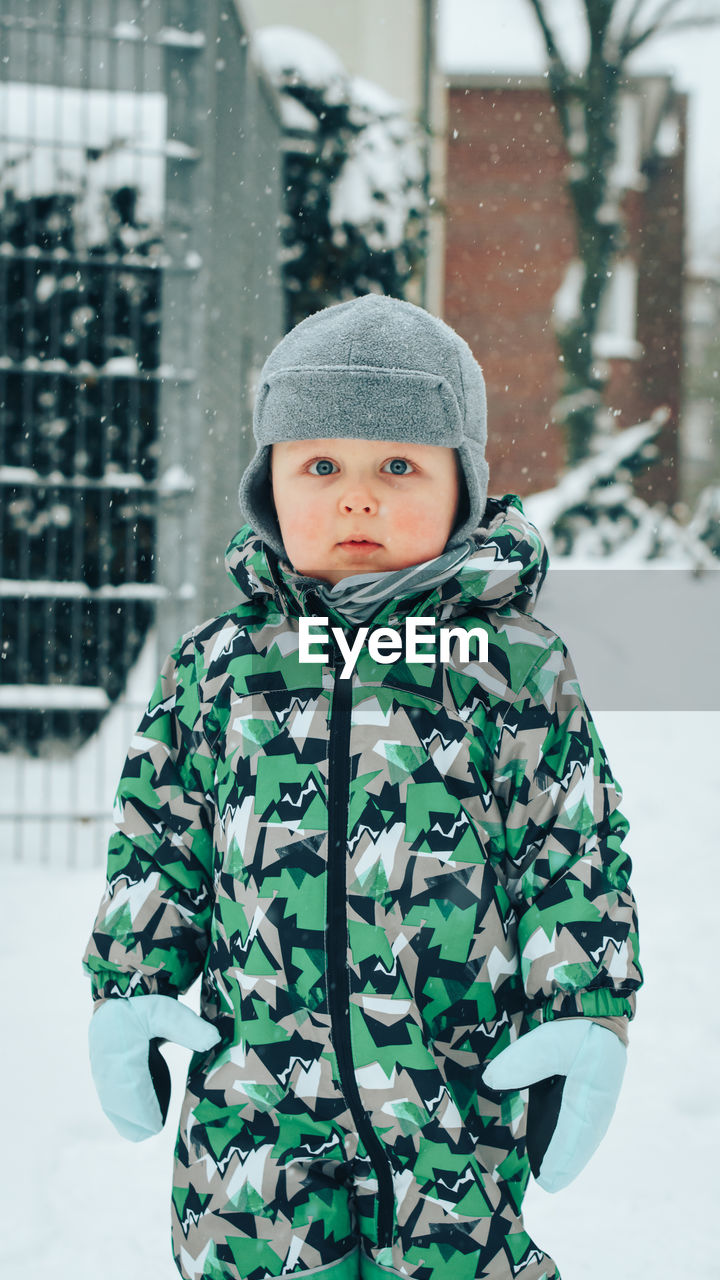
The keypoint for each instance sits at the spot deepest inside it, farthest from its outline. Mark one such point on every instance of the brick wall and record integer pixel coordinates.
(509, 237)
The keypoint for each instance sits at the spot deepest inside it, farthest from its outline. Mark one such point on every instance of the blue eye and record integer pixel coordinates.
(403, 463)
(323, 463)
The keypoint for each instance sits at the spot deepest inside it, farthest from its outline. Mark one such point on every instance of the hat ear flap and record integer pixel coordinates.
(256, 501)
(463, 507)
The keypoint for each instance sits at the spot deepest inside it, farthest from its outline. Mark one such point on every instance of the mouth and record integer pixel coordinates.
(359, 544)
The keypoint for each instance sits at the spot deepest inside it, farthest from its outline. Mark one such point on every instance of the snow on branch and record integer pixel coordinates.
(293, 58)
(705, 523)
(354, 177)
(593, 512)
(379, 185)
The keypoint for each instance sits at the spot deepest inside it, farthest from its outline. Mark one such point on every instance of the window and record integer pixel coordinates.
(617, 323)
(627, 170)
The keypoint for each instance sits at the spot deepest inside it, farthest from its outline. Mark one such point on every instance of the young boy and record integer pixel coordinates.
(387, 838)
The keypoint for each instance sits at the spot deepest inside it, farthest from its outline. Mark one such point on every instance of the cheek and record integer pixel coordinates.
(300, 523)
(415, 520)
(413, 523)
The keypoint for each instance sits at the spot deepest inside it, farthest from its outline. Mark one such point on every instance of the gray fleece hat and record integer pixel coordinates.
(374, 368)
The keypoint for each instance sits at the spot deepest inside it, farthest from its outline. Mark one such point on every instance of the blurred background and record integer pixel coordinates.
(183, 182)
(180, 183)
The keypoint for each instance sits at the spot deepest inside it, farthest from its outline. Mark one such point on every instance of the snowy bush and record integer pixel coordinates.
(355, 204)
(705, 523)
(593, 511)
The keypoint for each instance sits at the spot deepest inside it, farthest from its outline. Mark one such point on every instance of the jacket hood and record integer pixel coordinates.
(505, 570)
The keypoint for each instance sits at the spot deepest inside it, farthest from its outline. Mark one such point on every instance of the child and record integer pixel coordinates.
(389, 867)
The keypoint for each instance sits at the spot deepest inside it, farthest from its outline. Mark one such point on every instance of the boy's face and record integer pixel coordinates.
(401, 499)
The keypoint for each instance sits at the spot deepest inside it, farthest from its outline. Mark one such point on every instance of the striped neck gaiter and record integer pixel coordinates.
(360, 595)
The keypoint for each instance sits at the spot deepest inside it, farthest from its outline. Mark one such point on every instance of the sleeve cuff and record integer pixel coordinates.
(599, 1005)
(109, 985)
(619, 1025)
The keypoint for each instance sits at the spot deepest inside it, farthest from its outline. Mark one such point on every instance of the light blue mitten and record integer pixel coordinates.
(130, 1074)
(569, 1118)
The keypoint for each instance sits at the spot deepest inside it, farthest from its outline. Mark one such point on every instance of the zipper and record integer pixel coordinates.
(337, 941)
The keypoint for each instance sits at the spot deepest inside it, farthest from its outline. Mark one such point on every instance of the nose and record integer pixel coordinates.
(358, 497)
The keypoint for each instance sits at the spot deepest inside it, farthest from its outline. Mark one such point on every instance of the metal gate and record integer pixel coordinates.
(139, 294)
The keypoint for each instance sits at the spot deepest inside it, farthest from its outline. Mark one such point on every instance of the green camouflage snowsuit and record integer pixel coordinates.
(382, 879)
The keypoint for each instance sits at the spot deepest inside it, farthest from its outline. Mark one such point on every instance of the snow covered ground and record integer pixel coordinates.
(79, 1202)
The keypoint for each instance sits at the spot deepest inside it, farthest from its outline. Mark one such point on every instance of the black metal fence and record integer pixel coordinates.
(139, 294)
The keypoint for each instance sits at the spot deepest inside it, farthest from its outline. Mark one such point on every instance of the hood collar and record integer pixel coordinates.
(506, 569)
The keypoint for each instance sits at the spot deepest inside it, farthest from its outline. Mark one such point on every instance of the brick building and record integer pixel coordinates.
(510, 245)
